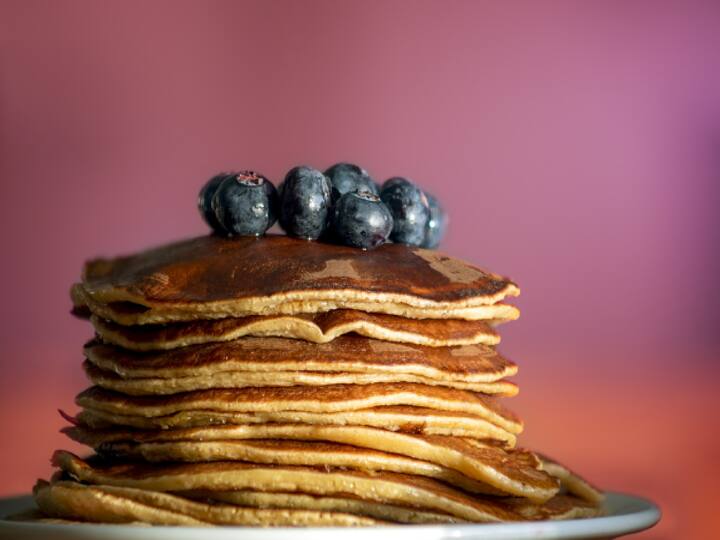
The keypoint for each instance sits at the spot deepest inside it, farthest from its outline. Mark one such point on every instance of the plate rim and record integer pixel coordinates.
(645, 515)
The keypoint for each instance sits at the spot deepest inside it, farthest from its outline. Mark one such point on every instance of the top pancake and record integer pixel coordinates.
(211, 277)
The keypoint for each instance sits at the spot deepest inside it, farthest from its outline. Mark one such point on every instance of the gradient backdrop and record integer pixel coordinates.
(575, 144)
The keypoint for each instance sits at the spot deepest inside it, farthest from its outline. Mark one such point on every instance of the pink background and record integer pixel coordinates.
(576, 145)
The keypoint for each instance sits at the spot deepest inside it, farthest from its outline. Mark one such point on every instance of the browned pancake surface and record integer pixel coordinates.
(221, 475)
(572, 482)
(112, 504)
(514, 471)
(211, 268)
(477, 363)
(318, 327)
(281, 451)
(399, 418)
(324, 399)
(160, 386)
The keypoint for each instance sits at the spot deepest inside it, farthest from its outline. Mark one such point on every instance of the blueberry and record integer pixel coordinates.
(205, 201)
(360, 219)
(305, 203)
(245, 204)
(436, 225)
(409, 208)
(346, 178)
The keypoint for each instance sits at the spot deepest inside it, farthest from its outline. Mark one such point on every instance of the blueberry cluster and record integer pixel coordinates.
(342, 205)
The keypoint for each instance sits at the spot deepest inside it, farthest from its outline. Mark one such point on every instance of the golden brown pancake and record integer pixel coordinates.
(349, 354)
(74, 501)
(71, 502)
(346, 504)
(394, 418)
(399, 418)
(571, 482)
(514, 472)
(242, 379)
(316, 328)
(383, 487)
(320, 399)
(112, 504)
(212, 278)
(559, 507)
(130, 314)
(283, 452)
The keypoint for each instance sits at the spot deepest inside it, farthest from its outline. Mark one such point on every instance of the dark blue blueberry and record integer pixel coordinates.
(436, 225)
(205, 201)
(360, 219)
(246, 204)
(409, 208)
(346, 178)
(305, 203)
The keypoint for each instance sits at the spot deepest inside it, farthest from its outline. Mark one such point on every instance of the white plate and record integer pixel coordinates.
(625, 514)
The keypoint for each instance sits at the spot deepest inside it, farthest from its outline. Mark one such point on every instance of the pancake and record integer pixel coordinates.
(212, 278)
(514, 472)
(73, 501)
(571, 482)
(562, 506)
(348, 354)
(385, 488)
(559, 507)
(299, 501)
(316, 328)
(243, 379)
(321, 399)
(130, 314)
(286, 452)
(394, 418)
(111, 504)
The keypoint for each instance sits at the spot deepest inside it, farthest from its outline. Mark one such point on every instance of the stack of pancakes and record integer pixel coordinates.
(273, 381)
